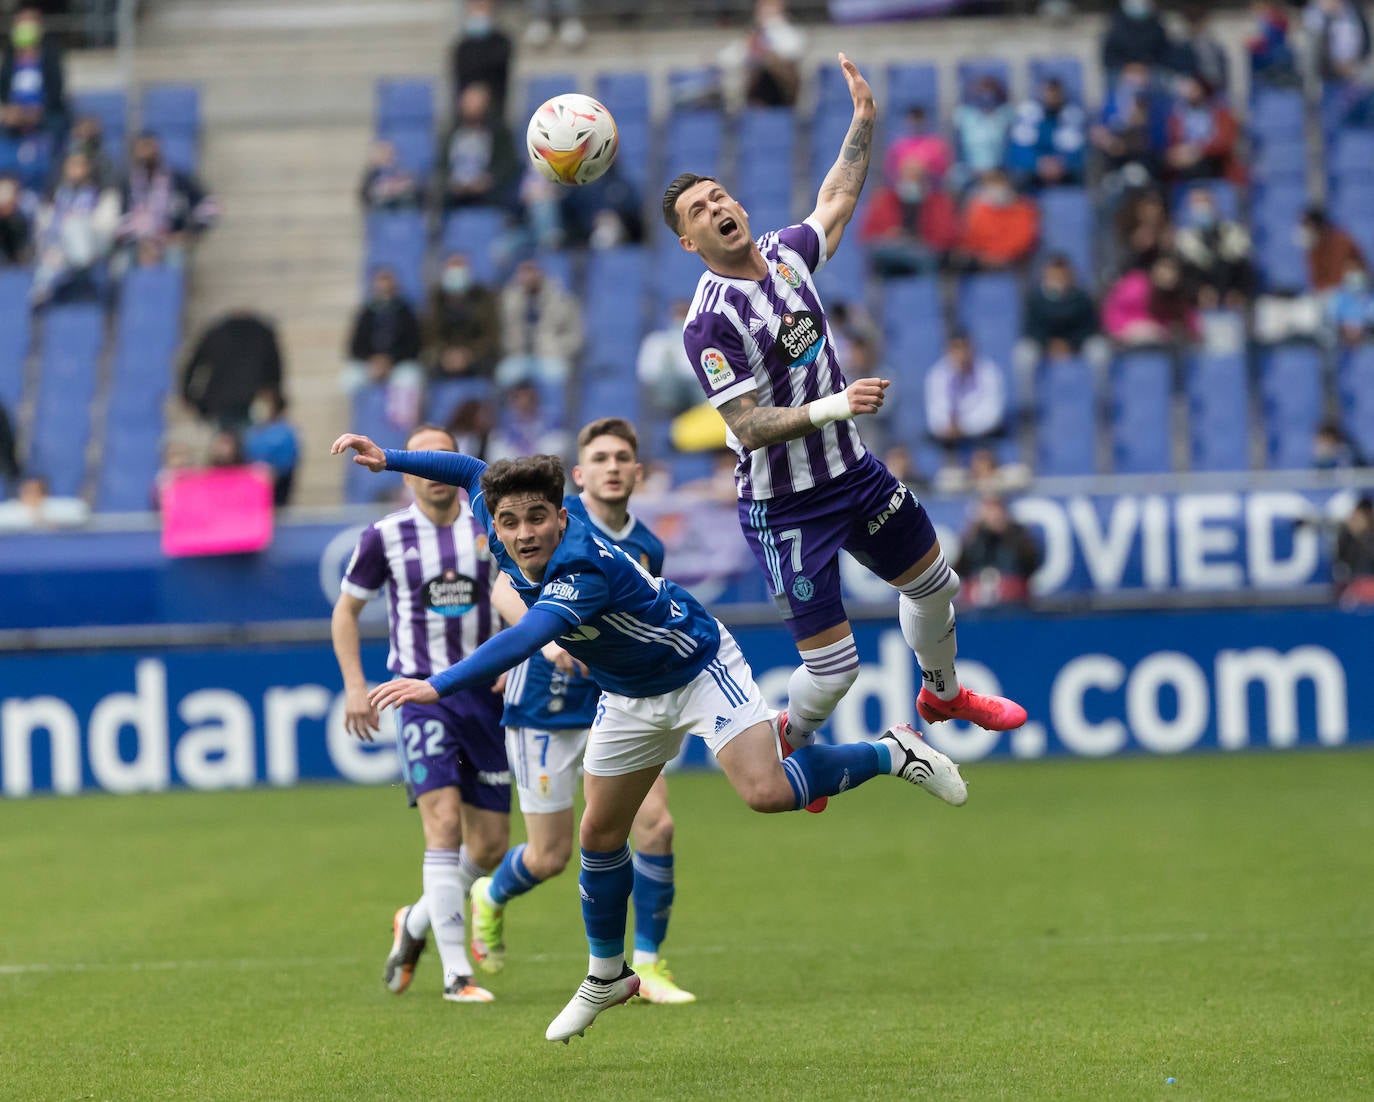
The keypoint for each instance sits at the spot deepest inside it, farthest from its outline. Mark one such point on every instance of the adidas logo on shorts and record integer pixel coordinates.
(722, 722)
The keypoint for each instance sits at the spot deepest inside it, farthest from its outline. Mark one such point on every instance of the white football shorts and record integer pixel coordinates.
(633, 733)
(546, 767)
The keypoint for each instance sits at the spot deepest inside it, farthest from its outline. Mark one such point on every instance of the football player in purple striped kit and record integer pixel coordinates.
(432, 560)
(758, 338)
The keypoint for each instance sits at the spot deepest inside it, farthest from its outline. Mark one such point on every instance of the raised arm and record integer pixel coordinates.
(840, 189)
(757, 426)
(453, 468)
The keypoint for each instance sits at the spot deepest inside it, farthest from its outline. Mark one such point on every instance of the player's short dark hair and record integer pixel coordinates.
(430, 427)
(541, 475)
(609, 426)
(680, 184)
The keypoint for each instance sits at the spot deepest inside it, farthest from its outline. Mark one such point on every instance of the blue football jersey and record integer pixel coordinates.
(638, 635)
(538, 695)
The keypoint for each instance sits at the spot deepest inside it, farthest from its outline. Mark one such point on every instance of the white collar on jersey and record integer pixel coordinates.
(622, 534)
(464, 510)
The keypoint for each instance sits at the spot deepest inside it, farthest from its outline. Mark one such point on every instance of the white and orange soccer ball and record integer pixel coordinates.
(572, 139)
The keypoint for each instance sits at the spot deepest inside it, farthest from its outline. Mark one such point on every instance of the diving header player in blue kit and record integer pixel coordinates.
(667, 669)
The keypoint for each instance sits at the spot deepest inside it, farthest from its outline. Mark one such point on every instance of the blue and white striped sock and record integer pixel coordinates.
(821, 770)
(605, 884)
(512, 877)
(653, 899)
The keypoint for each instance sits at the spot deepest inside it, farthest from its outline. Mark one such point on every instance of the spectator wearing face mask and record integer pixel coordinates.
(1000, 228)
(386, 184)
(541, 328)
(462, 326)
(481, 54)
(15, 236)
(1135, 35)
(74, 234)
(1200, 53)
(1330, 250)
(1215, 254)
(1272, 60)
(271, 439)
(1202, 136)
(88, 137)
(1153, 307)
(966, 396)
(164, 209)
(909, 226)
(1061, 317)
(1048, 140)
(919, 140)
(1350, 308)
(481, 165)
(385, 348)
(33, 109)
(981, 127)
(1133, 129)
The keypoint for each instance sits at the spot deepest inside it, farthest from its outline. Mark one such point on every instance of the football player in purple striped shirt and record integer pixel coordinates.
(758, 338)
(432, 561)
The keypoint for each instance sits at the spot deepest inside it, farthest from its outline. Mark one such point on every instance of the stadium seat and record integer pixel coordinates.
(635, 160)
(1278, 115)
(698, 137)
(72, 340)
(446, 395)
(540, 88)
(914, 335)
(404, 103)
(1350, 154)
(1066, 68)
(615, 302)
(1276, 210)
(610, 396)
(1279, 160)
(1218, 412)
(832, 90)
(112, 109)
(398, 240)
(1356, 386)
(973, 69)
(361, 486)
(1293, 398)
(1066, 419)
(843, 277)
(1223, 192)
(476, 233)
(127, 475)
(694, 88)
(149, 327)
(990, 308)
(1066, 226)
(913, 84)
(626, 96)
(415, 148)
(676, 272)
(1141, 414)
(825, 136)
(558, 266)
(14, 323)
(172, 112)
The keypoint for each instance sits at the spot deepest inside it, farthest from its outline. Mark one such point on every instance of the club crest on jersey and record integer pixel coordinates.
(716, 368)
(799, 336)
(789, 275)
(450, 594)
(803, 588)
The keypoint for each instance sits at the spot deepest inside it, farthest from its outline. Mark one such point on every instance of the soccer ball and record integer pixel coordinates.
(572, 139)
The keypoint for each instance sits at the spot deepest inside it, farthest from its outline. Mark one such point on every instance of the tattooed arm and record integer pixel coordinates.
(840, 189)
(757, 426)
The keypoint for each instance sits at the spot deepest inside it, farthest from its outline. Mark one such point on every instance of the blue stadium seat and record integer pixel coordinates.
(626, 96)
(974, 69)
(1066, 423)
(1066, 226)
(1218, 412)
(843, 277)
(698, 136)
(398, 240)
(1141, 414)
(767, 133)
(634, 160)
(545, 87)
(691, 466)
(609, 396)
(72, 340)
(171, 107)
(913, 84)
(127, 475)
(415, 147)
(1067, 68)
(14, 323)
(1278, 115)
(404, 102)
(361, 486)
(690, 88)
(1356, 386)
(1293, 399)
(764, 176)
(149, 328)
(1223, 192)
(614, 293)
(825, 136)
(990, 308)
(1350, 154)
(446, 395)
(475, 232)
(832, 90)
(112, 109)
(558, 266)
(914, 334)
(1274, 216)
(1279, 160)
(676, 272)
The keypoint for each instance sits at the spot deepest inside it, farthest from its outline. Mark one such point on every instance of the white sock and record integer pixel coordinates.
(606, 968)
(641, 957)
(444, 893)
(417, 918)
(468, 871)
(817, 685)
(926, 614)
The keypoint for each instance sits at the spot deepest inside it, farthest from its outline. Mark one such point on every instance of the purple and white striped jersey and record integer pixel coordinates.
(771, 336)
(438, 587)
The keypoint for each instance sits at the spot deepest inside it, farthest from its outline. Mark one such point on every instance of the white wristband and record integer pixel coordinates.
(833, 408)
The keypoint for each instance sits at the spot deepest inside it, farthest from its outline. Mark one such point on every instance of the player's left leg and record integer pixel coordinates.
(654, 891)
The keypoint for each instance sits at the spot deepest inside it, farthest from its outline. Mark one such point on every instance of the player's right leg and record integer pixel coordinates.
(445, 884)
(655, 888)
(545, 767)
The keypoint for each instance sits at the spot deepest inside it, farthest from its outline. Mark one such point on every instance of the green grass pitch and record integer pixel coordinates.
(1079, 930)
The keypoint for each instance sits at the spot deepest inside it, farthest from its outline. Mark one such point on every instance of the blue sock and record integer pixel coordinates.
(819, 770)
(653, 895)
(511, 877)
(606, 882)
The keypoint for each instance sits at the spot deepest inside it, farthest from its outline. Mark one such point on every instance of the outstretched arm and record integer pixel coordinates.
(453, 468)
(757, 426)
(840, 189)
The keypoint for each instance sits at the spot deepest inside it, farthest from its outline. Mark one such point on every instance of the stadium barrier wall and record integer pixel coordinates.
(1095, 686)
(1125, 547)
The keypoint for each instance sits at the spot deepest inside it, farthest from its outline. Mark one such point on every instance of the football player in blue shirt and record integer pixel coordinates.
(550, 704)
(666, 668)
